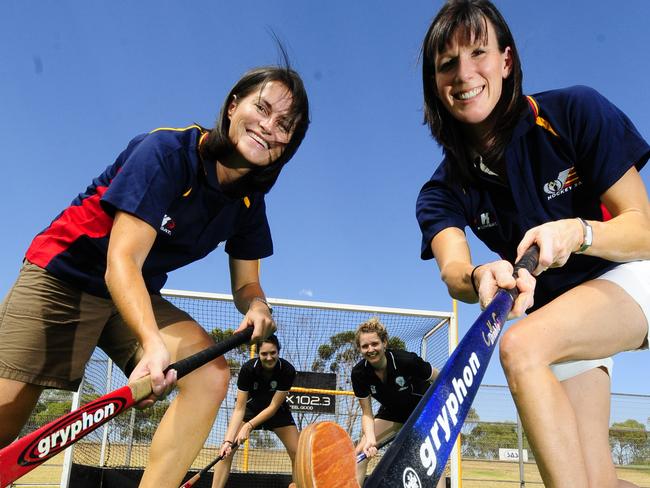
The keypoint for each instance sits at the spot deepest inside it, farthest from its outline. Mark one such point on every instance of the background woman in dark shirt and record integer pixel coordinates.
(263, 385)
(396, 379)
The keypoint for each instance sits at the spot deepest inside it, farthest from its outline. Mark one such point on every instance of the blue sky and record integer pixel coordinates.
(79, 79)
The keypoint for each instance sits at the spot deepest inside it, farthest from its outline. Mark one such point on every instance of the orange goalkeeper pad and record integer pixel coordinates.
(325, 458)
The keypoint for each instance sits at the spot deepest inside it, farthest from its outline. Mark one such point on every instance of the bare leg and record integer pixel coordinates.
(442, 482)
(383, 429)
(589, 394)
(222, 468)
(289, 436)
(189, 418)
(563, 330)
(17, 400)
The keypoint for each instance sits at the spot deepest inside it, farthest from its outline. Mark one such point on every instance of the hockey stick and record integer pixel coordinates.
(207, 468)
(26, 453)
(418, 455)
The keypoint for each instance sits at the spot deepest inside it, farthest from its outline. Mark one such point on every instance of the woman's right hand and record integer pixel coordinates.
(226, 449)
(490, 277)
(154, 359)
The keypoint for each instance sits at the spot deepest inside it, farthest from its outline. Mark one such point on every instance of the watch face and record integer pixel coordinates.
(587, 236)
(590, 235)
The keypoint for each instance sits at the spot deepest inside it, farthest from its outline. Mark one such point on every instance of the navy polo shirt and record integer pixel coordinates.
(261, 388)
(570, 147)
(160, 179)
(406, 380)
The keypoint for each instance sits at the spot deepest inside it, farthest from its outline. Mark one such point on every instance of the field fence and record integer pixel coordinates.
(493, 440)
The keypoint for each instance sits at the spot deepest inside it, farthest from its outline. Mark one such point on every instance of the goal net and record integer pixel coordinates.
(317, 338)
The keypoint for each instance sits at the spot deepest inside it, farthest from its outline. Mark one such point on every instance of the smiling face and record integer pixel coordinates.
(259, 124)
(469, 78)
(268, 355)
(372, 348)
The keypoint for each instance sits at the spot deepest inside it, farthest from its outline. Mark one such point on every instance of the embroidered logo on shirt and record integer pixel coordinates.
(274, 385)
(566, 180)
(373, 389)
(485, 221)
(167, 225)
(255, 385)
(400, 381)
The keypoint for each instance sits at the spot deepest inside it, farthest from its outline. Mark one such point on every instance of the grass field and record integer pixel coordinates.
(476, 474)
(496, 474)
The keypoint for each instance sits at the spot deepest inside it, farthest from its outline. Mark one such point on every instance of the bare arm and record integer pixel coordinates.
(452, 254)
(369, 446)
(245, 284)
(129, 245)
(236, 419)
(263, 416)
(626, 237)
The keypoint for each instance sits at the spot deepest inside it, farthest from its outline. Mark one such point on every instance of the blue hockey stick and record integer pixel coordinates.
(420, 451)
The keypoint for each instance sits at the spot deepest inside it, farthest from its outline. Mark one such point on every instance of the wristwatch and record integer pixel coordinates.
(263, 300)
(587, 236)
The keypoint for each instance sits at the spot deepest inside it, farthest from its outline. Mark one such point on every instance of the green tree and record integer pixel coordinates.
(628, 441)
(145, 423)
(238, 356)
(51, 405)
(341, 353)
(471, 421)
(485, 439)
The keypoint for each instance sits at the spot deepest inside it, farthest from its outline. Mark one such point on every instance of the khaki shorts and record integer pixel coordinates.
(49, 329)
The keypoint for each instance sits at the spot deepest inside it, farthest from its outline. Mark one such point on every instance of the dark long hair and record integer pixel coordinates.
(469, 17)
(218, 145)
(272, 339)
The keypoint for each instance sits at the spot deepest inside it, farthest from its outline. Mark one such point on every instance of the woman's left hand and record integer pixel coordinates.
(556, 241)
(259, 316)
(370, 448)
(244, 433)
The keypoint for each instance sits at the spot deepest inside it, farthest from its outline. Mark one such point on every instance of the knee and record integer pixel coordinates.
(517, 353)
(210, 380)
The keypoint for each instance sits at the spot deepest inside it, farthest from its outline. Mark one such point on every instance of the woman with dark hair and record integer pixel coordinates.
(262, 387)
(93, 276)
(558, 169)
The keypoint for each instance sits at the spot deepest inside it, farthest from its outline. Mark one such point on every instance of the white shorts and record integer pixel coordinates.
(634, 278)
(564, 371)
